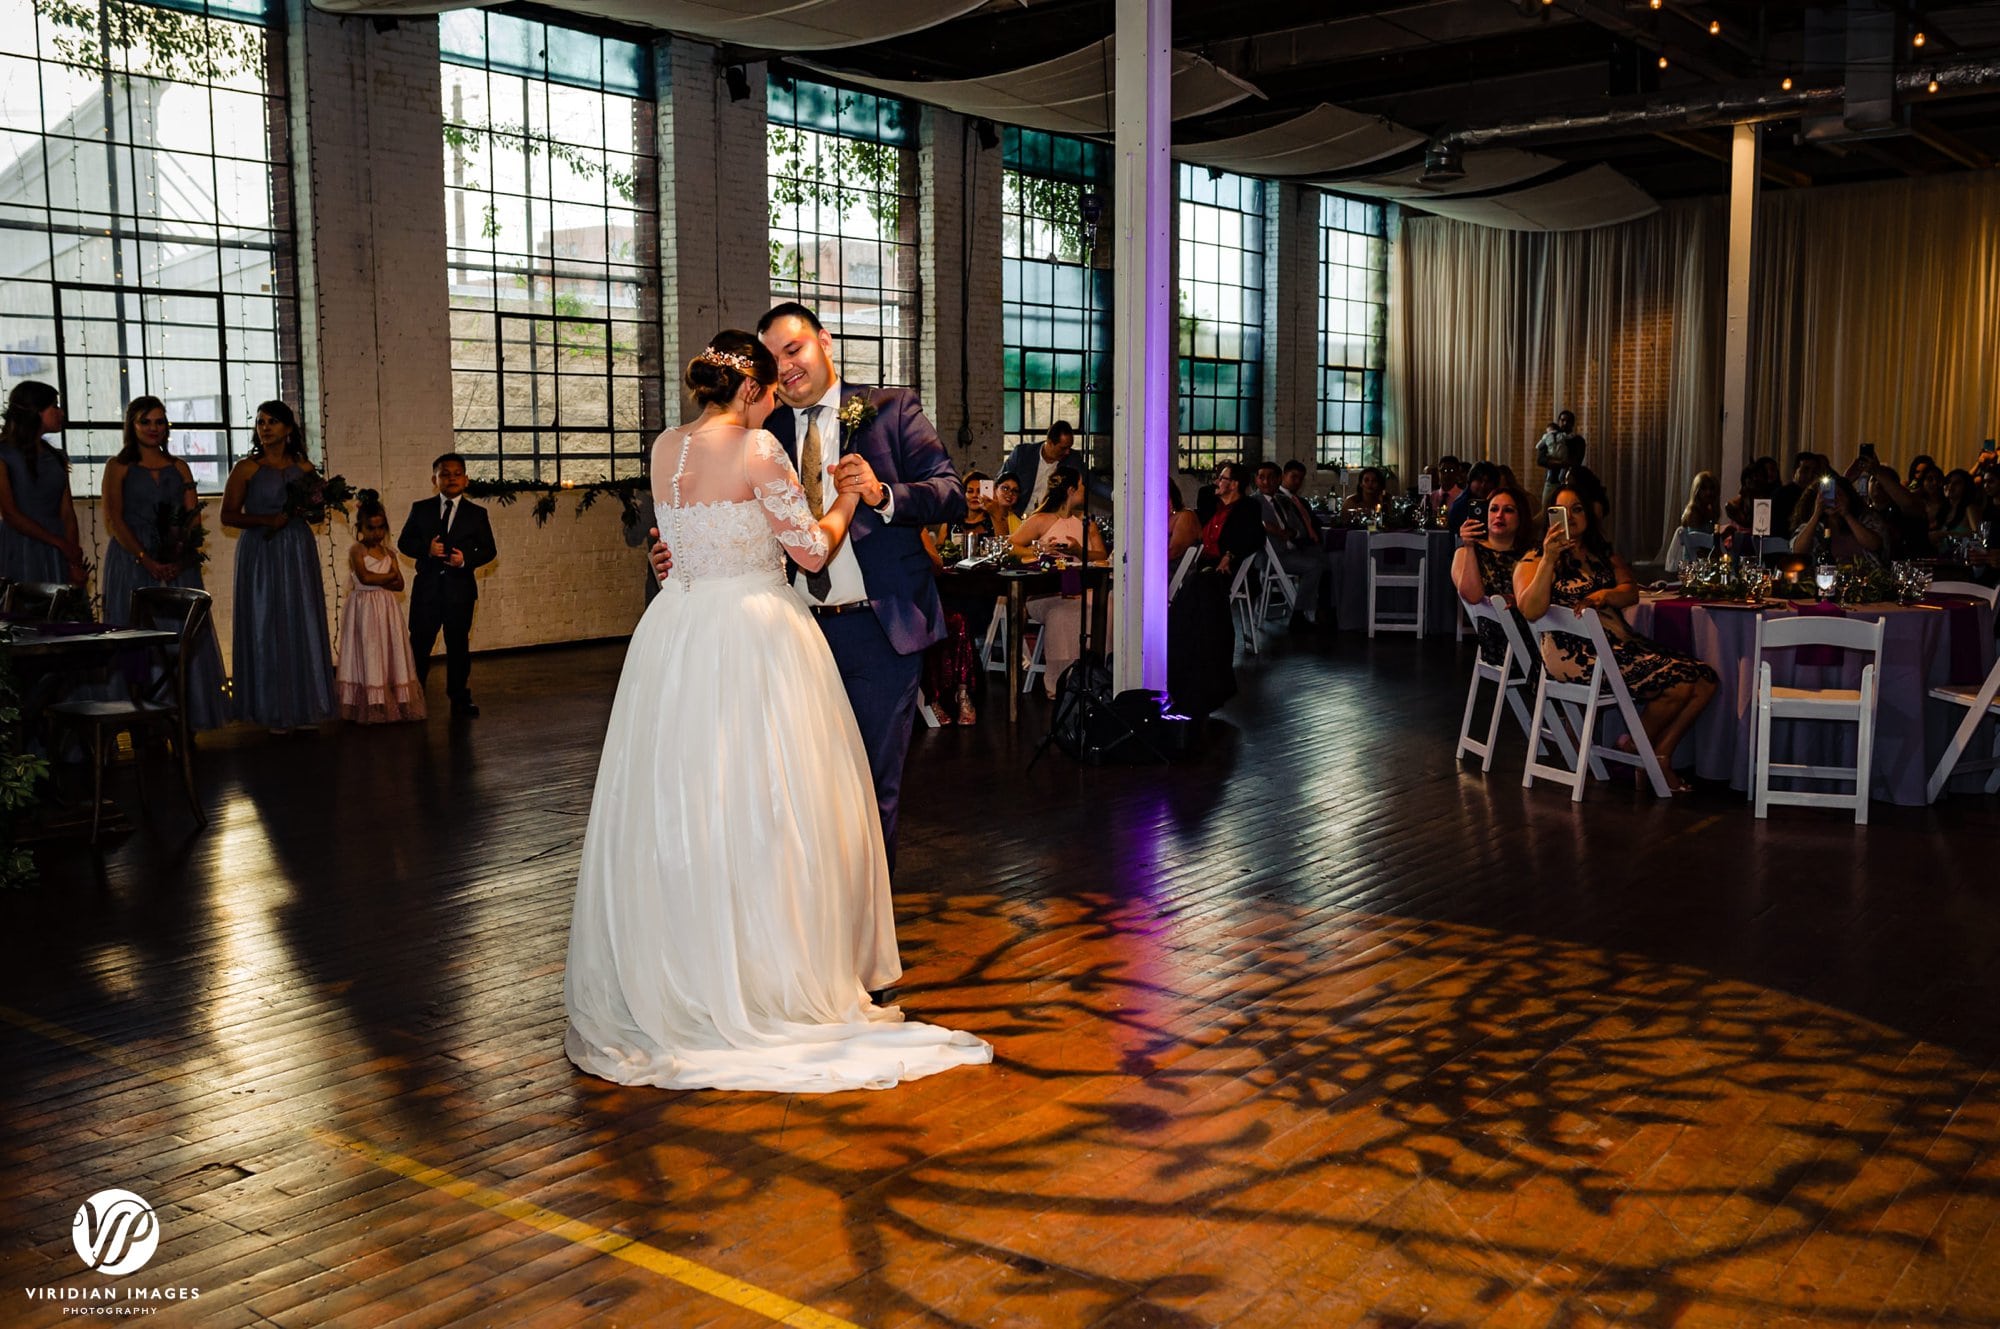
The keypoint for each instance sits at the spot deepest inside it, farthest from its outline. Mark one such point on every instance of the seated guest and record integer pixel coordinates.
(1806, 468)
(1508, 480)
(1369, 491)
(1034, 464)
(1963, 509)
(1740, 512)
(1900, 511)
(1480, 482)
(951, 666)
(1448, 484)
(1057, 526)
(980, 522)
(1838, 525)
(1295, 536)
(1919, 464)
(1006, 495)
(1700, 516)
(1483, 564)
(1585, 482)
(1234, 531)
(1293, 479)
(1579, 570)
(1183, 528)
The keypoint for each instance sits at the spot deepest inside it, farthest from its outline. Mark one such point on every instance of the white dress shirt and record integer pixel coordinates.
(844, 569)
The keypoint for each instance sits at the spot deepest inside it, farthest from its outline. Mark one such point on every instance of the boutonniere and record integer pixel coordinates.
(856, 412)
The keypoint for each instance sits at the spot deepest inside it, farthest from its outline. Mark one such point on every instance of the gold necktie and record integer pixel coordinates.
(811, 466)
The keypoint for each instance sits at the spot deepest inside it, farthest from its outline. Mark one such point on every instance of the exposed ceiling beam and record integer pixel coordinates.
(1697, 142)
(1934, 135)
(1682, 54)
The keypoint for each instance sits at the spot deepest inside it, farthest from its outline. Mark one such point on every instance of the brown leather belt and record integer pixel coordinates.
(834, 611)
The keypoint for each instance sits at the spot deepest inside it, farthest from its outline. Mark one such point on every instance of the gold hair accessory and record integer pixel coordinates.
(728, 359)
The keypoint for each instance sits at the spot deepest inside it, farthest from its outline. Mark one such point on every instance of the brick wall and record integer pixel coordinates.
(959, 351)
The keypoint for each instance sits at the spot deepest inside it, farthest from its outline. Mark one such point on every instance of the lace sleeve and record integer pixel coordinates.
(776, 486)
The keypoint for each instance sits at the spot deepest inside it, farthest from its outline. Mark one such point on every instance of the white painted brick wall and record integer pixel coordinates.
(959, 315)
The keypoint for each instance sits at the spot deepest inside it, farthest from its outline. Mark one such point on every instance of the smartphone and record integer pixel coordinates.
(1868, 451)
(1476, 510)
(1559, 519)
(982, 490)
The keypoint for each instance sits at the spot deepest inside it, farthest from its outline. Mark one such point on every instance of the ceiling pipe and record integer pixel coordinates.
(1737, 105)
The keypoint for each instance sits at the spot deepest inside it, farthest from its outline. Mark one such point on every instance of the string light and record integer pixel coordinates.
(1933, 86)
(1917, 40)
(1715, 27)
(1663, 62)
(1654, 3)
(1787, 84)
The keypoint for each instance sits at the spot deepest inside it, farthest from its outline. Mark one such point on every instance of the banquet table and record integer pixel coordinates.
(1943, 640)
(1349, 547)
(1016, 586)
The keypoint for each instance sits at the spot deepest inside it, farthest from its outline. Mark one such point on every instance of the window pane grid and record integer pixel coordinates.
(842, 179)
(145, 236)
(1353, 314)
(1056, 310)
(1221, 316)
(552, 249)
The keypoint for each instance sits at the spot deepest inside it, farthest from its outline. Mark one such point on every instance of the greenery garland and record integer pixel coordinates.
(631, 507)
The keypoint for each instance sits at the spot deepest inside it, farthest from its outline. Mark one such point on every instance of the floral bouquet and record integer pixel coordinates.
(314, 497)
(179, 536)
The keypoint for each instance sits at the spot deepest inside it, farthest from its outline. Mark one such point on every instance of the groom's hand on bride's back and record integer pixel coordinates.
(662, 558)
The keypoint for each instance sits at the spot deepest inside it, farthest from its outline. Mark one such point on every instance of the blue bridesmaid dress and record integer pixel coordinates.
(39, 496)
(283, 667)
(145, 492)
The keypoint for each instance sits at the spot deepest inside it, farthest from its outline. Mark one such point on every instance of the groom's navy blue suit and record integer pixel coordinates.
(881, 652)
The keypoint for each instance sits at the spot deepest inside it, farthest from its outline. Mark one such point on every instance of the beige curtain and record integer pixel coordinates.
(1622, 325)
(1875, 318)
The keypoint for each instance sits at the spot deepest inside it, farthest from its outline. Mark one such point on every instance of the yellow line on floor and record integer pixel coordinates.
(701, 1278)
(697, 1276)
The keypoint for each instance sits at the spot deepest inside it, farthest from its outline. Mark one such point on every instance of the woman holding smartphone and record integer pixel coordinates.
(1832, 511)
(1576, 567)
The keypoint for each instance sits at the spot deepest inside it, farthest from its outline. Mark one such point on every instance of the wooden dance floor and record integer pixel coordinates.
(1324, 1029)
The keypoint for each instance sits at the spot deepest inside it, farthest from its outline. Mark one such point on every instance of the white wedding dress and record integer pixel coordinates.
(732, 907)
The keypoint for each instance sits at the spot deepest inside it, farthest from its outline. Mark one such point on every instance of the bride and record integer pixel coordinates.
(732, 907)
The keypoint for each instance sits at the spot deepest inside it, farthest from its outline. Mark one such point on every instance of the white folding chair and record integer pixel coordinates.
(1981, 703)
(1036, 668)
(1241, 610)
(1510, 678)
(1181, 571)
(1279, 590)
(1605, 686)
(993, 651)
(1971, 590)
(1396, 621)
(1847, 705)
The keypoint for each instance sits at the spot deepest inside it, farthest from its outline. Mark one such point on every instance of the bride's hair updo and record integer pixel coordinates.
(732, 355)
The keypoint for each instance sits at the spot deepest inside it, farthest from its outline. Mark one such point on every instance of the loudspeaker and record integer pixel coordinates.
(1130, 728)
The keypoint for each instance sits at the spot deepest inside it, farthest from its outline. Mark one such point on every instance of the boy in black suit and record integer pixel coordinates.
(448, 537)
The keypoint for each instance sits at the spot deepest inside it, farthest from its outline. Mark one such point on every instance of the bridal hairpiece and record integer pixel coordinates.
(728, 359)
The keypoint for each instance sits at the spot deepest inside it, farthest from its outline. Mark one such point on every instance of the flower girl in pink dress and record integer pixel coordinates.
(376, 680)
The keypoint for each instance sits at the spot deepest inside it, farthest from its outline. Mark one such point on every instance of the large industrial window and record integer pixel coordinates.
(1056, 310)
(1221, 290)
(145, 243)
(551, 219)
(1353, 308)
(843, 180)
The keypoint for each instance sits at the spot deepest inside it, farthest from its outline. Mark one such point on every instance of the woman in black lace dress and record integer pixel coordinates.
(1483, 566)
(1582, 571)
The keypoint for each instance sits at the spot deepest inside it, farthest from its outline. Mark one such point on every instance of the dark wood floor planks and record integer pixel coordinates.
(1321, 1029)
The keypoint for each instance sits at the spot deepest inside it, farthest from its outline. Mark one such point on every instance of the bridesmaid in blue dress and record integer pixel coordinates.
(139, 482)
(38, 538)
(283, 671)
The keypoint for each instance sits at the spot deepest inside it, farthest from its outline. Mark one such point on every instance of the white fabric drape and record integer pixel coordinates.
(1502, 329)
(1875, 318)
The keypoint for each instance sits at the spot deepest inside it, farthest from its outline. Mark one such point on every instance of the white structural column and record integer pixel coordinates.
(1142, 365)
(1745, 151)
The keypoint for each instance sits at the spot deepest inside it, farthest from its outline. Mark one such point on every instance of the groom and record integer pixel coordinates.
(876, 601)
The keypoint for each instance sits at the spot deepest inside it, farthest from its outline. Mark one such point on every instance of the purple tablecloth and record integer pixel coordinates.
(1921, 648)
